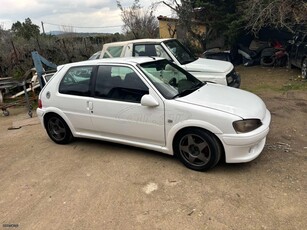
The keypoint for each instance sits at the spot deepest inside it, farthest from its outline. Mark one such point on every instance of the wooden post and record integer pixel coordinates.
(43, 28)
(15, 52)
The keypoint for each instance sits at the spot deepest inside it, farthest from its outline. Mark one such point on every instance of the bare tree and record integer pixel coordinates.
(139, 22)
(275, 13)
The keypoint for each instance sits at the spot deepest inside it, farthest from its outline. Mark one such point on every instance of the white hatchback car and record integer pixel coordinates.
(154, 104)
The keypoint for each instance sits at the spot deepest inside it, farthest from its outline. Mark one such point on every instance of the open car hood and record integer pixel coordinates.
(209, 65)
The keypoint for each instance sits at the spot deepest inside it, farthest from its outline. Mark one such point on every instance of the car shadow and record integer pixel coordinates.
(121, 149)
(155, 156)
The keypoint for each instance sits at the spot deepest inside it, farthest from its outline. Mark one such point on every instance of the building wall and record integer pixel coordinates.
(170, 28)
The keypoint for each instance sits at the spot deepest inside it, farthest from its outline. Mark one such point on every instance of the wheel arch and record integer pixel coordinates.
(207, 127)
(212, 142)
(57, 128)
(60, 114)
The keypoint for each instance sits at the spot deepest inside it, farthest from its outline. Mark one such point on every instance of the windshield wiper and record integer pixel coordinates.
(188, 91)
(186, 62)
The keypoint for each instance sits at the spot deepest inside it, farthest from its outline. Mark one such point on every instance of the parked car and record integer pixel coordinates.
(217, 71)
(298, 53)
(154, 104)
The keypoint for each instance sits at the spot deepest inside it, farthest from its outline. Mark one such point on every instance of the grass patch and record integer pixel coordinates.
(261, 88)
(289, 86)
(298, 85)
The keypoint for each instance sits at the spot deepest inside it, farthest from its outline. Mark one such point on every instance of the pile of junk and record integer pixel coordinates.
(23, 92)
(257, 53)
(270, 48)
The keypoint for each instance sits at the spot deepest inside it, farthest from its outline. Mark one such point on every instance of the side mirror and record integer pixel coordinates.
(148, 100)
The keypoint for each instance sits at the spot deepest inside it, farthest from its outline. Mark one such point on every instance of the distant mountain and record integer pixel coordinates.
(59, 33)
(55, 33)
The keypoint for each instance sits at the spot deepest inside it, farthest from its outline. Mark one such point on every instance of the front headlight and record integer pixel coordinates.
(229, 79)
(245, 126)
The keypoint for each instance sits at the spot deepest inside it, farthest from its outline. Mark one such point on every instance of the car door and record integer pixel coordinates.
(74, 95)
(117, 112)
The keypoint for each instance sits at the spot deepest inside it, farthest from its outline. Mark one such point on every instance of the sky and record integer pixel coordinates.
(70, 15)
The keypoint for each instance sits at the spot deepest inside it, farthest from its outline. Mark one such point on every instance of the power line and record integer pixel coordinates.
(84, 27)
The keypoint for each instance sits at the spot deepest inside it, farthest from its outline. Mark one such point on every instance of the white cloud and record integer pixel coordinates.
(79, 13)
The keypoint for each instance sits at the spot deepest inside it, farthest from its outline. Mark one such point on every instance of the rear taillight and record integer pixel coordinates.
(40, 104)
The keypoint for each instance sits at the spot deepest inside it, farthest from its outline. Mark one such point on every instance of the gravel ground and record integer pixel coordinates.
(98, 185)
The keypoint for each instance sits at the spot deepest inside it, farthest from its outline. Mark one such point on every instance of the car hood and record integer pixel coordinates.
(227, 99)
(209, 65)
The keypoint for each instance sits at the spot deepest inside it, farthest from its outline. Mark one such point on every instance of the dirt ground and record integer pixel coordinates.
(98, 185)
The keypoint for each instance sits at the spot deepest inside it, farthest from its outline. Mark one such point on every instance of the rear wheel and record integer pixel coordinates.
(6, 112)
(304, 69)
(58, 130)
(197, 149)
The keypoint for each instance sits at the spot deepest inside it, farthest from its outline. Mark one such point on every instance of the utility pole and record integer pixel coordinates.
(43, 27)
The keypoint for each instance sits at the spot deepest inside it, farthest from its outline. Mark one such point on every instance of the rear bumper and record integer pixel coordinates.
(40, 114)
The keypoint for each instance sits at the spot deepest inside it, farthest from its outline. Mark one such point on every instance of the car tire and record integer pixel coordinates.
(6, 113)
(58, 130)
(267, 61)
(304, 69)
(197, 149)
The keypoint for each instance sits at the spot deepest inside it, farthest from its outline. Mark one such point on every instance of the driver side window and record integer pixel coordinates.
(150, 50)
(119, 83)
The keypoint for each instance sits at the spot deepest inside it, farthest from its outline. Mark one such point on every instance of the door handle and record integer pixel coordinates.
(90, 105)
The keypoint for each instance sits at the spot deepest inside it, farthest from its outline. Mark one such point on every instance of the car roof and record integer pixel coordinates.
(144, 40)
(121, 60)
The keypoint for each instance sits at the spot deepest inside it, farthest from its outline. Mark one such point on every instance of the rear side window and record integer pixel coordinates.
(113, 51)
(151, 50)
(76, 81)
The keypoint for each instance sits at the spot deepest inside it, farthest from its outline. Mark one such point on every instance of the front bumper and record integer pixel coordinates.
(233, 79)
(245, 147)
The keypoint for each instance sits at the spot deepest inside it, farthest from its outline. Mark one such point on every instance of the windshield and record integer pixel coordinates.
(171, 80)
(181, 53)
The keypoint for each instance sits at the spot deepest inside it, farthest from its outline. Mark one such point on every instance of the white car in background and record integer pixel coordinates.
(220, 72)
(154, 104)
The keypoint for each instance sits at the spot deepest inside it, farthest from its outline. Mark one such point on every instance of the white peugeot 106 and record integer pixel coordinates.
(154, 104)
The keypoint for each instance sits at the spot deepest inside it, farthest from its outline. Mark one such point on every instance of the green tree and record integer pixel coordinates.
(221, 17)
(26, 29)
(230, 18)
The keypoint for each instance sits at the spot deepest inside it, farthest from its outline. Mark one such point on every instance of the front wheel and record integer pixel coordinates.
(304, 69)
(197, 149)
(58, 130)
